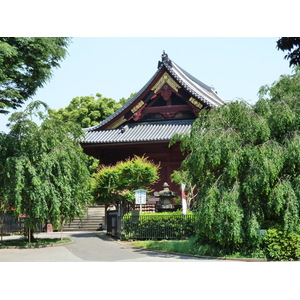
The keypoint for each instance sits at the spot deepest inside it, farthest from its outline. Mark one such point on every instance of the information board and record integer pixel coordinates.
(140, 196)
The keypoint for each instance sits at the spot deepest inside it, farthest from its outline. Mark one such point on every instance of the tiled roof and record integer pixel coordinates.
(139, 132)
(197, 88)
(128, 103)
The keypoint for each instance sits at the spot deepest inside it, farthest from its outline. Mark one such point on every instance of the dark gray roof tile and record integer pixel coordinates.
(139, 132)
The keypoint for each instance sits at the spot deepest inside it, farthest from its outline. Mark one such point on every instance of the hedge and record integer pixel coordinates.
(158, 226)
(282, 246)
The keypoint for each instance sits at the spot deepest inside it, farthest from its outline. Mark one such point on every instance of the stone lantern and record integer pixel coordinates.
(165, 196)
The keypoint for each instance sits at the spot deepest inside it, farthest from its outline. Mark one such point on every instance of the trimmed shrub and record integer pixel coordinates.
(280, 246)
(158, 226)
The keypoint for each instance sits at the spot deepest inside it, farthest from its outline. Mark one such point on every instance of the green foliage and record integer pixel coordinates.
(168, 225)
(188, 246)
(115, 184)
(88, 111)
(279, 105)
(192, 246)
(292, 45)
(37, 244)
(137, 173)
(44, 172)
(245, 163)
(282, 246)
(104, 185)
(26, 63)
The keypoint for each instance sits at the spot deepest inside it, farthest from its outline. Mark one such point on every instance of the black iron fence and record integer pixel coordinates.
(158, 226)
(10, 224)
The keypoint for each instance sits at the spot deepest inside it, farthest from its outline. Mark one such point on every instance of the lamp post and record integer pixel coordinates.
(165, 196)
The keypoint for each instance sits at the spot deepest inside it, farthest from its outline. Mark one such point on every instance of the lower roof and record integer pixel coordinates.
(139, 132)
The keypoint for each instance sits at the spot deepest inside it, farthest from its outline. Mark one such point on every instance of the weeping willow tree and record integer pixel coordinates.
(44, 172)
(245, 163)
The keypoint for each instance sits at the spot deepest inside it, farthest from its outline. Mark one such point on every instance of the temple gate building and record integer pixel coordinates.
(167, 104)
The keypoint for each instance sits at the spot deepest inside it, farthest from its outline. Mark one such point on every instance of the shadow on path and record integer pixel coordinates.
(162, 254)
(99, 234)
(82, 234)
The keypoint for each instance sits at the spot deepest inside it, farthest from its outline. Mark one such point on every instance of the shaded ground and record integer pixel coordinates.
(88, 246)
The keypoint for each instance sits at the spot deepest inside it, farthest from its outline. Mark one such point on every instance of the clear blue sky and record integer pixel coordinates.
(118, 66)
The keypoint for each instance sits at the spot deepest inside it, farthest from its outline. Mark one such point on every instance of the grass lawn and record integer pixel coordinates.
(38, 243)
(190, 246)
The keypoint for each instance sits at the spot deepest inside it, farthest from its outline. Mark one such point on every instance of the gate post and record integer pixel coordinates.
(1, 224)
(119, 221)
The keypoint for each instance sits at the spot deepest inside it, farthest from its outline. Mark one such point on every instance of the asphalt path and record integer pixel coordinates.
(91, 247)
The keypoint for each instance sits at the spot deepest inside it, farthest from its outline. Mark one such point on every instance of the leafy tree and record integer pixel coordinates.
(88, 111)
(292, 45)
(26, 63)
(123, 100)
(279, 104)
(115, 184)
(245, 163)
(44, 172)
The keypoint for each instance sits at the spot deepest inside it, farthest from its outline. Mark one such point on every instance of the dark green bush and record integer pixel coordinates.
(282, 246)
(171, 225)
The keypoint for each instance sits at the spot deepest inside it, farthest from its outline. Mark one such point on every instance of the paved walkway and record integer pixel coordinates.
(90, 246)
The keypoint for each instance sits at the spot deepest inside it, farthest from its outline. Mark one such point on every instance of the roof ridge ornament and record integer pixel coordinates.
(164, 56)
(164, 60)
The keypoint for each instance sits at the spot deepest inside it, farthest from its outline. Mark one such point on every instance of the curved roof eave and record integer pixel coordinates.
(127, 104)
(197, 88)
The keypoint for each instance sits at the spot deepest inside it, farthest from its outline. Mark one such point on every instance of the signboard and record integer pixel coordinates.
(140, 196)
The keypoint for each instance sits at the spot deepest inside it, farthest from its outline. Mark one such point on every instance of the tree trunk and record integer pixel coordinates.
(61, 230)
(105, 216)
(30, 236)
